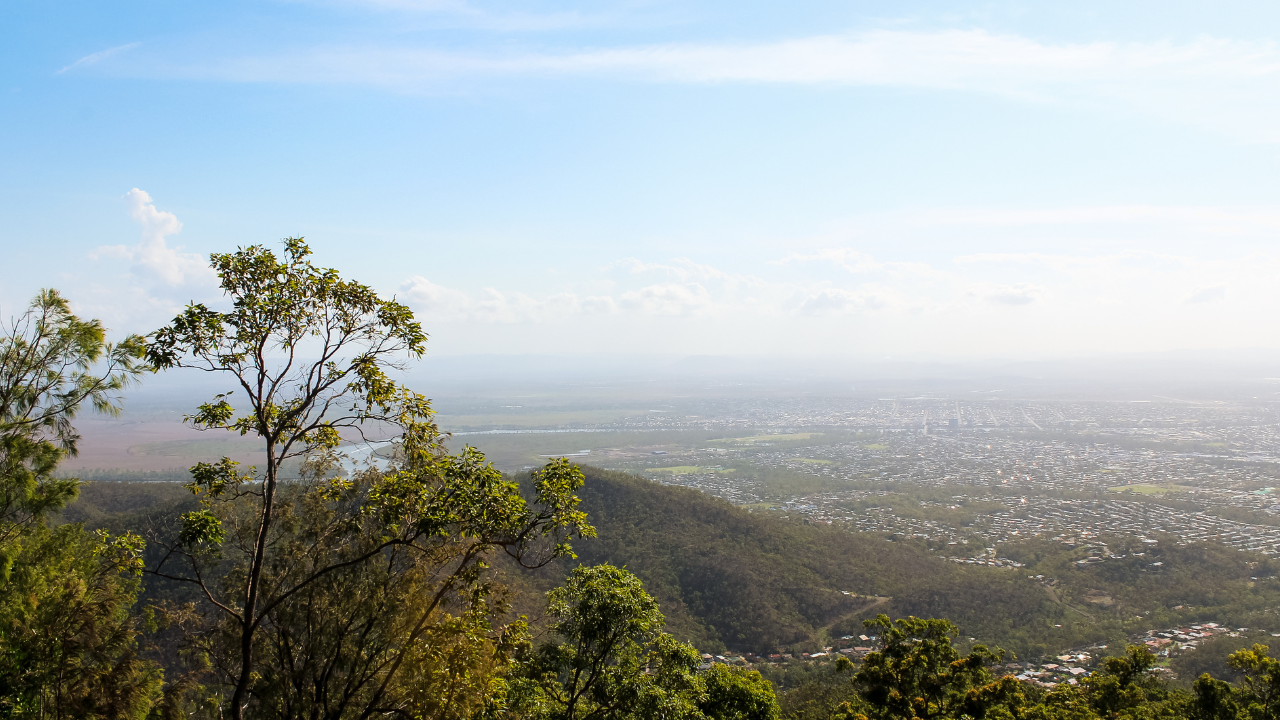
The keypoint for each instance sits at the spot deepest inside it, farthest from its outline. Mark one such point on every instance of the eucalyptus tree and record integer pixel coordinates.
(1258, 692)
(609, 658)
(919, 674)
(68, 645)
(736, 693)
(343, 580)
(52, 363)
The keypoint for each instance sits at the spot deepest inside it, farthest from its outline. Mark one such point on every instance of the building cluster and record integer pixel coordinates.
(1212, 425)
(1165, 641)
(1027, 516)
(1070, 667)
(967, 476)
(737, 490)
(1069, 469)
(1077, 520)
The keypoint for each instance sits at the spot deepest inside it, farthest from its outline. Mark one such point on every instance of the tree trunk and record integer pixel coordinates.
(249, 623)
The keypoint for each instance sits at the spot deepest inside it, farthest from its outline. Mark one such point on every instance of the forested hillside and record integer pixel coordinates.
(753, 582)
(727, 577)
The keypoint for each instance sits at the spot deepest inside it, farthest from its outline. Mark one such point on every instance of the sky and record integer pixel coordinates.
(799, 179)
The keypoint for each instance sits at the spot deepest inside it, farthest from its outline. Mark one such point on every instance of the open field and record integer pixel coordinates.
(514, 451)
(761, 439)
(690, 469)
(153, 444)
(203, 447)
(1150, 489)
(522, 419)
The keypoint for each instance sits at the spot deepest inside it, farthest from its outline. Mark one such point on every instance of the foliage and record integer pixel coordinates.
(1257, 696)
(1124, 687)
(283, 312)
(815, 691)
(51, 363)
(610, 659)
(1211, 655)
(737, 694)
(1213, 700)
(375, 594)
(731, 578)
(918, 673)
(125, 506)
(728, 577)
(68, 646)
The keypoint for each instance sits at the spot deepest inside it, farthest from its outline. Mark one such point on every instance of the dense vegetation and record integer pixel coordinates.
(747, 581)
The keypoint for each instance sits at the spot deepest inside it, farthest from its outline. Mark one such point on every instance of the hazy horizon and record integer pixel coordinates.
(519, 408)
(1232, 375)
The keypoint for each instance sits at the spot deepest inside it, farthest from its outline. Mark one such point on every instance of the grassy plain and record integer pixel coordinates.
(623, 448)
(759, 439)
(205, 447)
(1150, 489)
(538, 418)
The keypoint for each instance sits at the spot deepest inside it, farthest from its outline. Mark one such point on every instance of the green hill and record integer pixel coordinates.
(748, 581)
(728, 577)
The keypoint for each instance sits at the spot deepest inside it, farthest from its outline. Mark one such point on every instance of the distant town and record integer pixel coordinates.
(1069, 471)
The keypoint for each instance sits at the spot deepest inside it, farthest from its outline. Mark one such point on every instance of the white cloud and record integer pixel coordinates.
(599, 305)
(1228, 85)
(835, 301)
(437, 303)
(98, 57)
(490, 305)
(823, 297)
(849, 259)
(1213, 293)
(667, 299)
(984, 303)
(431, 298)
(1020, 294)
(155, 280)
(153, 259)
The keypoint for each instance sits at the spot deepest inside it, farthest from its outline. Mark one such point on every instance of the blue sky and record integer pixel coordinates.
(875, 179)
